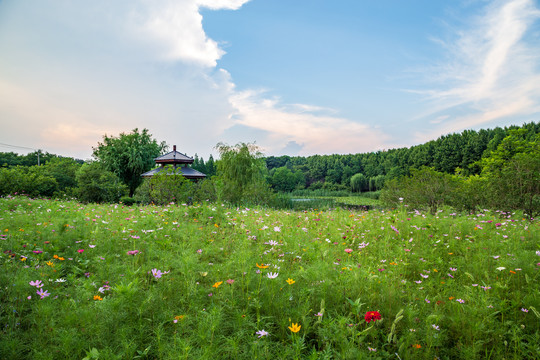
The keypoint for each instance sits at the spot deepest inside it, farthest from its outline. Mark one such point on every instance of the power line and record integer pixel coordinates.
(18, 147)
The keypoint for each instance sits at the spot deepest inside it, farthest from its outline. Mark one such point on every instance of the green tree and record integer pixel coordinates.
(513, 173)
(129, 155)
(166, 187)
(97, 184)
(424, 189)
(359, 183)
(64, 171)
(284, 179)
(240, 172)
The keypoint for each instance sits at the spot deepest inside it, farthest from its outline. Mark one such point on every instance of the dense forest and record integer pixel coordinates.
(448, 154)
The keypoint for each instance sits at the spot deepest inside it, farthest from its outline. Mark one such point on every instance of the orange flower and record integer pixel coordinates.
(261, 266)
(451, 298)
(97, 297)
(513, 272)
(55, 256)
(295, 327)
(216, 285)
(417, 346)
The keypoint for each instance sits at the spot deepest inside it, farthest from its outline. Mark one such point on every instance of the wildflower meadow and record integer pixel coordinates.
(208, 281)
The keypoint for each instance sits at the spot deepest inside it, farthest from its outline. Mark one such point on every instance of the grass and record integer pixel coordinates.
(448, 286)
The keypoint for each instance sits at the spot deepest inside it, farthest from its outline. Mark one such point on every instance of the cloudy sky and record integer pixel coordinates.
(298, 77)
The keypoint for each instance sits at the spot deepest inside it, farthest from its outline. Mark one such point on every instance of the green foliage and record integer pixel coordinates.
(165, 187)
(359, 183)
(512, 172)
(96, 184)
(240, 174)
(128, 201)
(443, 285)
(425, 188)
(64, 171)
(286, 180)
(33, 181)
(129, 155)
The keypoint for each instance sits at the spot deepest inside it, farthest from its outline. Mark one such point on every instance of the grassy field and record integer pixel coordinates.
(211, 282)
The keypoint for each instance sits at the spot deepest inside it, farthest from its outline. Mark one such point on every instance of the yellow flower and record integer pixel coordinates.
(295, 327)
(97, 297)
(261, 266)
(290, 281)
(23, 258)
(216, 285)
(50, 263)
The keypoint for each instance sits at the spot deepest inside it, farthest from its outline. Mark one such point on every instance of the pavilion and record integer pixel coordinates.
(180, 164)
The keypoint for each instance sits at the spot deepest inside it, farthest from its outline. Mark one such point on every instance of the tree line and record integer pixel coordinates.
(243, 174)
(370, 171)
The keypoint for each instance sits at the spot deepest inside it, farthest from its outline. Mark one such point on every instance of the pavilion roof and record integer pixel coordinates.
(174, 157)
(187, 172)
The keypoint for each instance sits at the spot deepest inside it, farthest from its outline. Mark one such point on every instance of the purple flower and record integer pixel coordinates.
(36, 283)
(157, 273)
(261, 333)
(460, 301)
(42, 293)
(37, 251)
(524, 310)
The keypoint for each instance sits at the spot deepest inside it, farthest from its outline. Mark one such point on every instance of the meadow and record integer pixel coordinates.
(210, 281)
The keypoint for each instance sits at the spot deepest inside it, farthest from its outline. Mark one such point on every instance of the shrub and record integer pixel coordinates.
(96, 184)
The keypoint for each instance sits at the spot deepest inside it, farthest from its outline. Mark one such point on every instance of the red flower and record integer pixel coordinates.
(372, 315)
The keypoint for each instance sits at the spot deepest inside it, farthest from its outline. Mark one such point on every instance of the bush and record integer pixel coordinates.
(166, 187)
(98, 185)
(128, 201)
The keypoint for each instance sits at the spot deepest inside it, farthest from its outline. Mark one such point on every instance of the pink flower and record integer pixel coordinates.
(133, 252)
(80, 251)
(230, 281)
(36, 283)
(348, 251)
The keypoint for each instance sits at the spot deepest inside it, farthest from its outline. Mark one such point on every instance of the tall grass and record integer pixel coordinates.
(199, 282)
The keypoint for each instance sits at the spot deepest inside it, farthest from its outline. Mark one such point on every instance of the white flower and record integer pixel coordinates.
(501, 268)
(272, 275)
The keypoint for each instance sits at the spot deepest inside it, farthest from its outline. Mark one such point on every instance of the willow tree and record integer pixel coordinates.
(240, 173)
(129, 155)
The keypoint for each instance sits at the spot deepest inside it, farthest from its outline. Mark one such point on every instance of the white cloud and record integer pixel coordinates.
(318, 133)
(493, 71)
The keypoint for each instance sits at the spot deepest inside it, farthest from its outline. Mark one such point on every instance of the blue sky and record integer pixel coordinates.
(298, 77)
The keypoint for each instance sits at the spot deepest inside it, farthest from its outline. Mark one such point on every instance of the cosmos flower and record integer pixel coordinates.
(272, 275)
(261, 333)
(36, 283)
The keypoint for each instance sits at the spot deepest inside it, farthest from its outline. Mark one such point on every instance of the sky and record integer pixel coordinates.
(297, 77)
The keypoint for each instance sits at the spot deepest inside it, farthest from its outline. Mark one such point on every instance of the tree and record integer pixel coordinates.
(284, 179)
(129, 155)
(169, 185)
(359, 183)
(97, 184)
(240, 173)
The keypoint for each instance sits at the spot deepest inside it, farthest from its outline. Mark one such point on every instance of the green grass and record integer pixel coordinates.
(410, 267)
